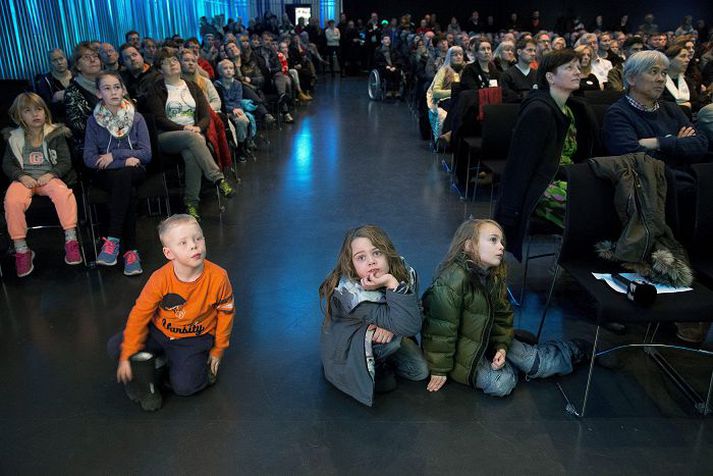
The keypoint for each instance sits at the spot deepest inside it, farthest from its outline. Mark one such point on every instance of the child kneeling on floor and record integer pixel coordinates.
(467, 331)
(371, 312)
(38, 162)
(182, 319)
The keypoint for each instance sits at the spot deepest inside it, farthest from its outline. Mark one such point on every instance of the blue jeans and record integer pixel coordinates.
(406, 357)
(536, 361)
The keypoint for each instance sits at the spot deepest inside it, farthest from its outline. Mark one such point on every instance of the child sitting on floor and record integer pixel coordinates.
(38, 162)
(184, 313)
(371, 312)
(467, 331)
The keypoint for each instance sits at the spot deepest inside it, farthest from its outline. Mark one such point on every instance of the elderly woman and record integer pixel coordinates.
(51, 86)
(641, 122)
(553, 130)
(80, 97)
(182, 115)
(439, 93)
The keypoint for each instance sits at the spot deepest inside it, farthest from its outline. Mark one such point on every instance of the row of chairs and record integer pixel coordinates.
(590, 218)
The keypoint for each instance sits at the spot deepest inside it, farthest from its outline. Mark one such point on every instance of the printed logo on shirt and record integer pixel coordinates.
(175, 303)
(36, 158)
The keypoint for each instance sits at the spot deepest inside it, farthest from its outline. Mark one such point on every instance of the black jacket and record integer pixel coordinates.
(473, 76)
(534, 156)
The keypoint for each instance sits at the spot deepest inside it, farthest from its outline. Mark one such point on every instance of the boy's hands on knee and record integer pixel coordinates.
(381, 336)
(436, 382)
(213, 364)
(498, 360)
(123, 372)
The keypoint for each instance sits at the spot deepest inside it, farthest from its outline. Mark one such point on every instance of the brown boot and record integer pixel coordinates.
(302, 97)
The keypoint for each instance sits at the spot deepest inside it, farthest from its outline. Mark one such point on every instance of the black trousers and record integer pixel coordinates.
(121, 185)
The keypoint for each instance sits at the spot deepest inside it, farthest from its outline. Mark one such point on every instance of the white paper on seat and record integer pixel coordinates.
(660, 288)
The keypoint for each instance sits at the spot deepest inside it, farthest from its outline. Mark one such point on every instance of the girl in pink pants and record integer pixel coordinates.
(38, 162)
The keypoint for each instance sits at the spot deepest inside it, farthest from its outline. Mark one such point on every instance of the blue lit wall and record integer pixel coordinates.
(30, 28)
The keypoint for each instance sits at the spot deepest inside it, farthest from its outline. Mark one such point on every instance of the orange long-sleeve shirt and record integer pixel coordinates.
(179, 309)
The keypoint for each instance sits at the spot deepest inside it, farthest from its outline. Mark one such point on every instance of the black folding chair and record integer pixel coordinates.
(591, 218)
(490, 151)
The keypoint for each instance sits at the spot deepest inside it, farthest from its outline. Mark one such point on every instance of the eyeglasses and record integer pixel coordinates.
(90, 57)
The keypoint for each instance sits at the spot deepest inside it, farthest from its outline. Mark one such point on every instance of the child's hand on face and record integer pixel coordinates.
(373, 282)
(123, 372)
(498, 360)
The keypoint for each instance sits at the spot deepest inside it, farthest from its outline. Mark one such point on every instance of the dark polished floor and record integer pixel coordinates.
(346, 161)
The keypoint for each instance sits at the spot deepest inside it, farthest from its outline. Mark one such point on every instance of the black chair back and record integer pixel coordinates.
(703, 225)
(605, 97)
(590, 216)
(498, 124)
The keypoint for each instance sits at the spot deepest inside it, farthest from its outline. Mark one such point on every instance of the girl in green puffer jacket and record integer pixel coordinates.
(467, 332)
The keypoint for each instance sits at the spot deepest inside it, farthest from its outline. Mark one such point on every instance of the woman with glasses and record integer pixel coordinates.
(80, 97)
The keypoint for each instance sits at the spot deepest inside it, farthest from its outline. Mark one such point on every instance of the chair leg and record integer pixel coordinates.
(570, 406)
(524, 270)
(547, 303)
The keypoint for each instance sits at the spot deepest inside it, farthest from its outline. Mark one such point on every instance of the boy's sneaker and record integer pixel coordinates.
(288, 118)
(109, 252)
(132, 263)
(192, 210)
(24, 263)
(226, 189)
(71, 252)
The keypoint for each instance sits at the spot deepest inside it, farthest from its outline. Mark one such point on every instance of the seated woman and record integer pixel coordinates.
(80, 97)
(588, 81)
(504, 56)
(189, 71)
(299, 60)
(388, 62)
(439, 93)
(51, 86)
(679, 87)
(283, 55)
(182, 117)
(553, 129)
(479, 74)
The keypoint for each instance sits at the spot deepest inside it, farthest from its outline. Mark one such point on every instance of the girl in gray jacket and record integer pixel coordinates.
(371, 311)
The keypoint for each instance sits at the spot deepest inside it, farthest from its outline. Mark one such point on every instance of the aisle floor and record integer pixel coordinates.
(346, 161)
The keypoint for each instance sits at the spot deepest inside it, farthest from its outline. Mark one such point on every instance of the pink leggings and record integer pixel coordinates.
(19, 197)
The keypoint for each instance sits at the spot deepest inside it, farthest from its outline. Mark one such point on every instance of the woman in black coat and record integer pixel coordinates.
(538, 144)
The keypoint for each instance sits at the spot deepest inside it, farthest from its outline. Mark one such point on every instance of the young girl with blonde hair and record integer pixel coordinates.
(467, 331)
(38, 162)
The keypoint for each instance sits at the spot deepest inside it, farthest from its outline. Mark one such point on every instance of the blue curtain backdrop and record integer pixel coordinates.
(30, 28)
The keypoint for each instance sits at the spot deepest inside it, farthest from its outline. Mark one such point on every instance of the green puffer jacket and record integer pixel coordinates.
(466, 314)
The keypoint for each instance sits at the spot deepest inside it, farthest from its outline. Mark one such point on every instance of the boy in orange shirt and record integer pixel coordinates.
(184, 313)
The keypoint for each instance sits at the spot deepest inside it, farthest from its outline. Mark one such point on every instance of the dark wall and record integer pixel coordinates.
(668, 13)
